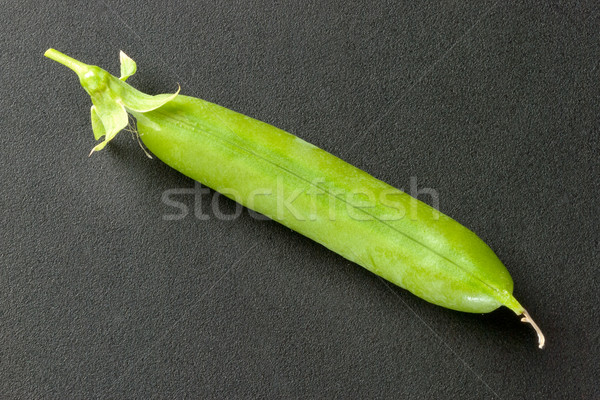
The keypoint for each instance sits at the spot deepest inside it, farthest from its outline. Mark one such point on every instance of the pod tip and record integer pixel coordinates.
(527, 318)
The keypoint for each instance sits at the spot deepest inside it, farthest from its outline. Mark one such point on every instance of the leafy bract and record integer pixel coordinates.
(128, 66)
(111, 97)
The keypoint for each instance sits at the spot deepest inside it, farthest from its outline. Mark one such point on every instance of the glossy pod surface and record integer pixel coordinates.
(328, 200)
(308, 190)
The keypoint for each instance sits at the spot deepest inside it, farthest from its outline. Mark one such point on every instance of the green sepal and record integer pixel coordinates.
(133, 99)
(109, 117)
(137, 101)
(97, 126)
(128, 66)
(111, 97)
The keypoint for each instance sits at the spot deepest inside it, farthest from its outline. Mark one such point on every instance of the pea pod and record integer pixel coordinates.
(306, 189)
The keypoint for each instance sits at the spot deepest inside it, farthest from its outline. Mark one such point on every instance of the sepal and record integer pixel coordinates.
(128, 66)
(109, 117)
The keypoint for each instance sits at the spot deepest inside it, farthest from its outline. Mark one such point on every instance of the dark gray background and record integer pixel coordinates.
(493, 104)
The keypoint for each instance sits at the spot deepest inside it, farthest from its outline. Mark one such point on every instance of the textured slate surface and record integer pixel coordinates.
(495, 105)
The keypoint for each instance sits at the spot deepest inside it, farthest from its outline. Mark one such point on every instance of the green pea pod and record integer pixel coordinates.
(306, 189)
